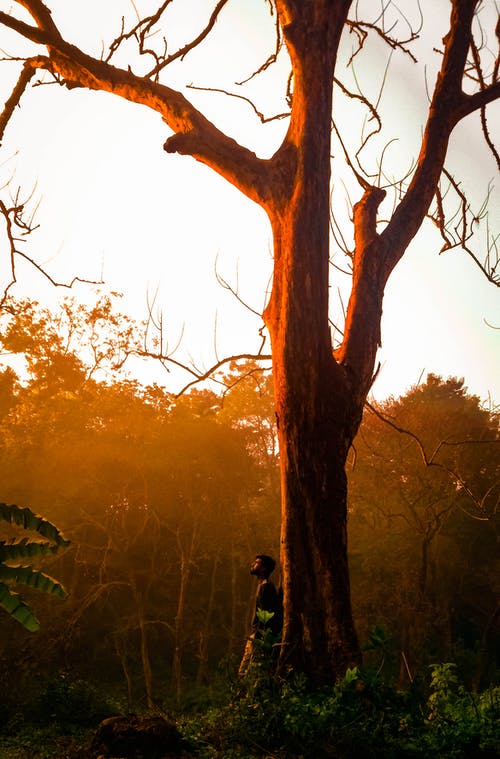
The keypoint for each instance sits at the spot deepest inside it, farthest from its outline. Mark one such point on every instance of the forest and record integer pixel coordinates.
(166, 500)
(131, 516)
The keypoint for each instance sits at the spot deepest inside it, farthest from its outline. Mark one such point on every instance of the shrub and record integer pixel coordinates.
(359, 716)
(71, 703)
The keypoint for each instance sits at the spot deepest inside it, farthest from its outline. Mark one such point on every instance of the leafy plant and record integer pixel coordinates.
(360, 715)
(13, 573)
(73, 703)
(461, 723)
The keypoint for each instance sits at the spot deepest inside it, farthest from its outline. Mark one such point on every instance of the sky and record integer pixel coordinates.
(156, 227)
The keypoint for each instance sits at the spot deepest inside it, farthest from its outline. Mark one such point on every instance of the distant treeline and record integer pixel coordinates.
(165, 501)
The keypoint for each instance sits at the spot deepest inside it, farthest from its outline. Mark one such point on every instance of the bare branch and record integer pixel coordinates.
(139, 32)
(193, 135)
(198, 375)
(234, 291)
(33, 33)
(143, 30)
(17, 228)
(27, 73)
(431, 461)
(42, 16)
(463, 230)
(449, 105)
(191, 45)
(272, 58)
(264, 119)
(362, 28)
(374, 116)
(210, 372)
(480, 78)
(160, 351)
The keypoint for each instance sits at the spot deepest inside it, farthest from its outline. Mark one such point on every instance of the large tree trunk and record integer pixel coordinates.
(316, 422)
(319, 635)
(316, 415)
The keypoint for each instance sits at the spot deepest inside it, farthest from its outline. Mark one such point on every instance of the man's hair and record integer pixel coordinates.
(268, 563)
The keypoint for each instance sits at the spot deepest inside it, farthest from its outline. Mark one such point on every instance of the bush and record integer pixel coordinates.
(72, 702)
(359, 716)
(458, 722)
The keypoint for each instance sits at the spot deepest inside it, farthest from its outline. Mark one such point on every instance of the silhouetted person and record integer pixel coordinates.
(268, 599)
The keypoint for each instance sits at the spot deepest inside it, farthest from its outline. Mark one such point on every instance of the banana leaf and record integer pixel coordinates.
(32, 577)
(17, 609)
(24, 517)
(25, 548)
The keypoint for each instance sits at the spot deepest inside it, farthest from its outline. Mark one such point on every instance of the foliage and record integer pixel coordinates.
(35, 742)
(14, 574)
(69, 700)
(359, 716)
(423, 527)
(461, 723)
(285, 718)
(57, 718)
(165, 500)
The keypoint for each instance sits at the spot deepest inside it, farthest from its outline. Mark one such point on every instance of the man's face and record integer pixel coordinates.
(256, 567)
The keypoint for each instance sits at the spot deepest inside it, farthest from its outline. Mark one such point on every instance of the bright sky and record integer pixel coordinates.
(114, 204)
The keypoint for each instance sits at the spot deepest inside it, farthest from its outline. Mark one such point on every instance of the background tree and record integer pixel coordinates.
(163, 499)
(319, 391)
(424, 494)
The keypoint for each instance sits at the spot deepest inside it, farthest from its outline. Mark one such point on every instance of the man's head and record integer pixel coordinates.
(262, 565)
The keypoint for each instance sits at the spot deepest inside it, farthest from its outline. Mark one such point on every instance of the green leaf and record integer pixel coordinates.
(378, 638)
(16, 549)
(351, 675)
(32, 577)
(25, 548)
(264, 616)
(24, 517)
(17, 609)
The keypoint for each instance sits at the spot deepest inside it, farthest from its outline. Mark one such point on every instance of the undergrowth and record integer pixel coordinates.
(264, 716)
(360, 716)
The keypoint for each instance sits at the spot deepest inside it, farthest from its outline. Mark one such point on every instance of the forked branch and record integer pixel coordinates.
(27, 73)
(459, 229)
(431, 460)
(17, 228)
(145, 29)
(361, 29)
(193, 134)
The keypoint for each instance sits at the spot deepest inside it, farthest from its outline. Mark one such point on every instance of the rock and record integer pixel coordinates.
(136, 737)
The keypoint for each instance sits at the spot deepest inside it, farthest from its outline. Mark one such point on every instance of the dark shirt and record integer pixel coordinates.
(268, 599)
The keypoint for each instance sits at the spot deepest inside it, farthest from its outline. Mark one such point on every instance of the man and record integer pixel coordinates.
(268, 600)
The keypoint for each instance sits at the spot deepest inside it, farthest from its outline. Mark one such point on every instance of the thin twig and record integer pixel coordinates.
(264, 119)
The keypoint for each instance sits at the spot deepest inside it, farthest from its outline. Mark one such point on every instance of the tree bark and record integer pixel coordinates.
(121, 651)
(315, 414)
(202, 671)
(145, 660)
(186, 563)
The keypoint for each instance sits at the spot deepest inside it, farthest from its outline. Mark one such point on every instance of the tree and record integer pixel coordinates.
(424, 492)
(320, 389)
(160, 497)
